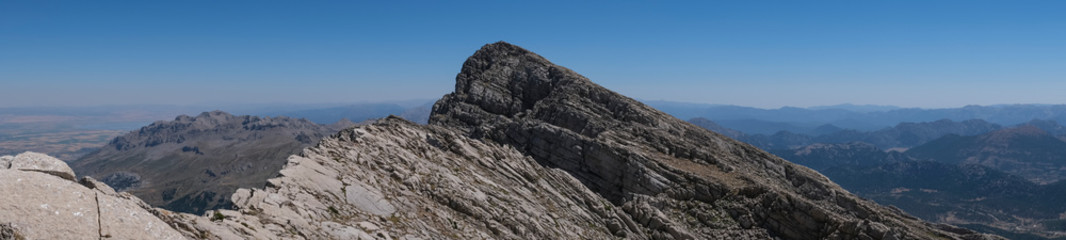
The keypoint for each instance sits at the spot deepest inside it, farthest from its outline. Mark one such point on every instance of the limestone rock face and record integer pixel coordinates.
(39, 162)
(36, 204)
(675, 180)
(397, 179)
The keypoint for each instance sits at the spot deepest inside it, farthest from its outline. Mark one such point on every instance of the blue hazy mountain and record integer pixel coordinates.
(863, 118)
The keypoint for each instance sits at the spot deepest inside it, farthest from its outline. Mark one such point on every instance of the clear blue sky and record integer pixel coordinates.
(750, 53)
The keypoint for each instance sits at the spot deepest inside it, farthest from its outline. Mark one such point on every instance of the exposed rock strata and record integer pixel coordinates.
(675, 179)
(398, 179)
(39, 202)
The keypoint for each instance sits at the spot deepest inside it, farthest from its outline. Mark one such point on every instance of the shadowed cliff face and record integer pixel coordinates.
(674, 178)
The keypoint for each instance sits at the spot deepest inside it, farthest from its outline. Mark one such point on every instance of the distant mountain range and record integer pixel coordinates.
(862, 118)
(967, 194)
(903, 135)
(1025, 151)
(999, 180)
(193, 164)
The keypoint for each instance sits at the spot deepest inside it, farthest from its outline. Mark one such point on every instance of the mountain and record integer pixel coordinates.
(193, 164)
(654, 166)
(524, 148)
(903, 135)
(1026, 151)
(857, 118)
(863, 108)
(821, 156)
(40, 199)
(968, 194)
(965, 194)
(710, 125)
(1050, 126)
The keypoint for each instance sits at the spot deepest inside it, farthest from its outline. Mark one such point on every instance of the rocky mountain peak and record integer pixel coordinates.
(655, 167)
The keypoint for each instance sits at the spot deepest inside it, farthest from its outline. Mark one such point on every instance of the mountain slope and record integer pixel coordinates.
(193, 164)
(968, 194)
(652, 165)
(503, 159)
(1025, 151)
(713, 126)
(397, 179)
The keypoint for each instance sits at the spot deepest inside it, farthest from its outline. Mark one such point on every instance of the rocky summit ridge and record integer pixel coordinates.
(526, 149)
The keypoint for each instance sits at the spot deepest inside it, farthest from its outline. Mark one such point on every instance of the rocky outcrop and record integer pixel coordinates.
(193, 164)
(39, 201)
(674, 179)
(39, 162)
(397, 179)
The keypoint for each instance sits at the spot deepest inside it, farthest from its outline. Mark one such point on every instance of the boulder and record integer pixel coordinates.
(39, 162)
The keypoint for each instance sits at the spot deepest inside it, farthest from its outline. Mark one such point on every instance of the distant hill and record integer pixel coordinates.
(863, 108)
(193, 164)
(970, 195)
(862, 119)
(976, 196)
(942, 179)
(1025, 151)
(822, 156)
(903, 135)
(908, 134)
(710, 125)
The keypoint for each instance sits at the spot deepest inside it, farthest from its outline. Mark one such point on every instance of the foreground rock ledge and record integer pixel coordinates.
(39, 201)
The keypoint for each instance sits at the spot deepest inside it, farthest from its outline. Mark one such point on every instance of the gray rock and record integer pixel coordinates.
(125, 216)
(5, 161)
(36, 205)
(657, 167)
(91, 183)
(39, 162)
(46, 207)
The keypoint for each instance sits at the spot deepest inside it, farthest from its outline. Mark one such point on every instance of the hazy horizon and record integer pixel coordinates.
(941, 54)
(414, 102)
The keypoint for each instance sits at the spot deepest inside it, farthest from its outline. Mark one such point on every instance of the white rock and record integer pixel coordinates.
(5, 161)
(368, 200)
(45, 207)
(31, 161)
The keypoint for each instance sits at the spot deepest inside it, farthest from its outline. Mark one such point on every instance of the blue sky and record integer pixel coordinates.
(751, 53)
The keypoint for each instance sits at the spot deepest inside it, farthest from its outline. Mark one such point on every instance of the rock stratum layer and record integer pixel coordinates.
(674, 179)
(525, 149)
